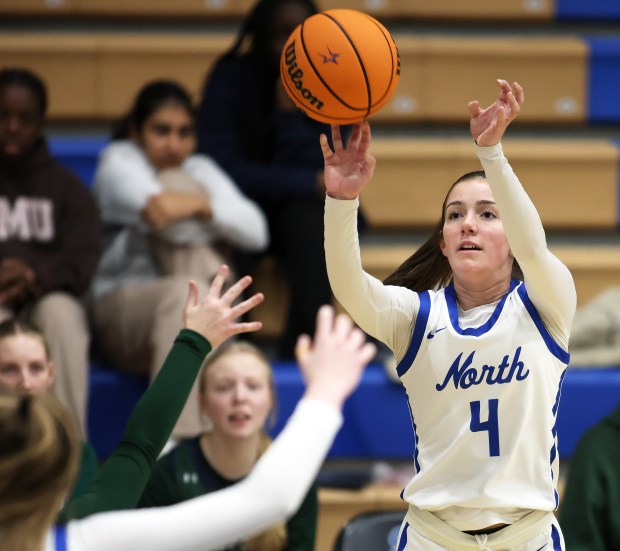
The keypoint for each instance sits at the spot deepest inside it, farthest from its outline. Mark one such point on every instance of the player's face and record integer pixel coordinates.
(473, 237)
(167, 136)
(24, 364)
(237, 396)
(21, 122)
(285, 20)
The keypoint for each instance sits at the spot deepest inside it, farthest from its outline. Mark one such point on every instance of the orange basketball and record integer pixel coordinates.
(340, 66)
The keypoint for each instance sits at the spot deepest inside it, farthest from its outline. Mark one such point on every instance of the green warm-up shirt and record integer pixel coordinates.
(124, 475)
(185, 473)
(590, 509)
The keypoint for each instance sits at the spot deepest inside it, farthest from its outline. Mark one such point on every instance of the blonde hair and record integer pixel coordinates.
(241, 347)
(274, 538)
(12, 327)
(39, 452)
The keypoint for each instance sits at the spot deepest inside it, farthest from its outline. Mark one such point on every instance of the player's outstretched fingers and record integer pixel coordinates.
(327, 152)
(324, 322)
(356, 137)
(192, 295)
(236, 289)
(364, 144)
(474, 108)
(336, 137)
(245, 306)
(518, 92)
(342, 326)
(218, 281)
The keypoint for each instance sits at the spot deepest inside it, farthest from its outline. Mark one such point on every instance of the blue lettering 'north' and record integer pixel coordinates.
(464, 375)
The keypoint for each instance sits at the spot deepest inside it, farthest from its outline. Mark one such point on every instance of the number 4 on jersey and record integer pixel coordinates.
(491, 425)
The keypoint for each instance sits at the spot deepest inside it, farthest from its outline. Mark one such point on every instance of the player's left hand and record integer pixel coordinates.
(488, 125)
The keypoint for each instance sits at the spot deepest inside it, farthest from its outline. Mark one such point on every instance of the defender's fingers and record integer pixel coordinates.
(343, 326)
(192, 294)
(247, 305)
(218, 281)
(324, 322)
(236, 289)
(247, 327)
(303, 347)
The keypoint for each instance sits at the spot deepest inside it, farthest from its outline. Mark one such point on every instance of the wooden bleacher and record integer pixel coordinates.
(94, 76)
(573, 182)
(543, 10)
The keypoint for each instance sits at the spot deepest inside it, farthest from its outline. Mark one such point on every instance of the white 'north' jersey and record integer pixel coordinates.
(483, 404)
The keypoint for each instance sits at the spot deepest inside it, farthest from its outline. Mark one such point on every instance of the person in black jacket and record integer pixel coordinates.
(249, 125)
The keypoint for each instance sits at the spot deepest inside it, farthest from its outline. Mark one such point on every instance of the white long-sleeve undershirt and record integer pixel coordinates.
(273, 491)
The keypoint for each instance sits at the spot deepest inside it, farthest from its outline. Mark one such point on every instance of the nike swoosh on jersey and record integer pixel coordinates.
(541, 547)
(431, 334)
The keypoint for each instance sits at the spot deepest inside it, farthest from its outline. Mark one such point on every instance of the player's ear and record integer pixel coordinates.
(51, 366)
(442, 243)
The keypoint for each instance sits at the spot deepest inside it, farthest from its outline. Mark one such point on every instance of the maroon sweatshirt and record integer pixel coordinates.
(49, 220)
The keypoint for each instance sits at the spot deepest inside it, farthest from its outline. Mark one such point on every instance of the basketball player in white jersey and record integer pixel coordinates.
(478, 319)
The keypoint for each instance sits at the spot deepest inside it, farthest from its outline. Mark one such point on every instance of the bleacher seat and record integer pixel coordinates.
(235, 9)
(106, 70)
(413, 175)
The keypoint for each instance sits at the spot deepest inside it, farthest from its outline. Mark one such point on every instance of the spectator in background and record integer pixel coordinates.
(595, 335)
(250, 127)
(165, 211)
(590, 509)
(237, 396)
(49, 237)
(25, 366)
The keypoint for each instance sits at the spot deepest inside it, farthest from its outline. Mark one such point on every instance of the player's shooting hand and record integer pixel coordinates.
(348, 169)
(215, 316)
(488, 125)
(333, 364)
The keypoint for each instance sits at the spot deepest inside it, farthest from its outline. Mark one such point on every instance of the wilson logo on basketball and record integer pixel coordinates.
(297, 75)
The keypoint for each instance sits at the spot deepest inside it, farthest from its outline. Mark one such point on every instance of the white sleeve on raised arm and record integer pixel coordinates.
(272, 492)
(548, 281)
(386, 312)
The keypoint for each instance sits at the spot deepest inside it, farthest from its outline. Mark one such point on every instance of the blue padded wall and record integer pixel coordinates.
(377, 423)
(78, 153)
(604, 80)
(587, 9)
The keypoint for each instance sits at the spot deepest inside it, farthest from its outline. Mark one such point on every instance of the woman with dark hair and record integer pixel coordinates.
(166, 212)
(481, 349)
(248, 124)
(49, 237)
